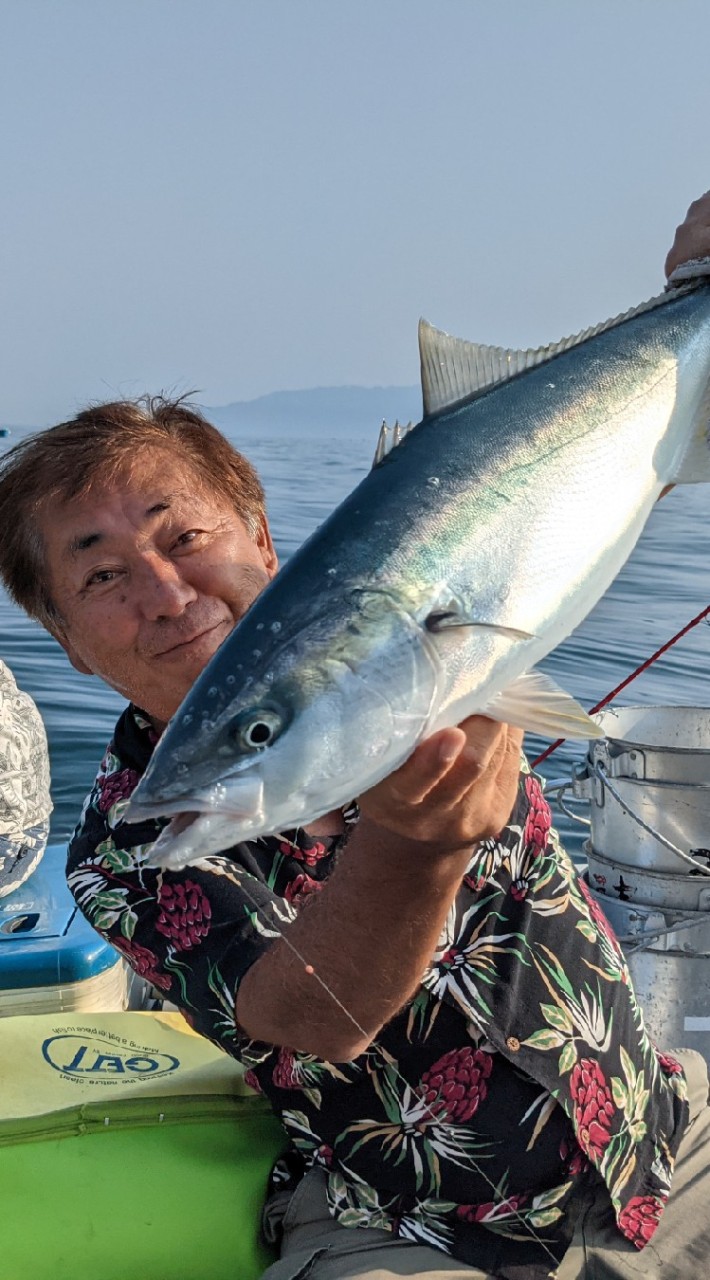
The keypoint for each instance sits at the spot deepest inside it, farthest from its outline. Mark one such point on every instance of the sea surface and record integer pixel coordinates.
(664, 584)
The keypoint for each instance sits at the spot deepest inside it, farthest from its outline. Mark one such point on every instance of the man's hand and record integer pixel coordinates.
(692, 237)
(457, 788)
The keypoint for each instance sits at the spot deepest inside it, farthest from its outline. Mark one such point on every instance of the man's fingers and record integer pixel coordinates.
(692, 237)
(485, 737)
(458, 787)
(431, 761)
(451, 761)
(472, 744)
(492, 763)
(449, 744)
(458, 784)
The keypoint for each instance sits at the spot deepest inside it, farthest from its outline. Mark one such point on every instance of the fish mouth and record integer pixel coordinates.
(242, 798)
(200, 825)
(189, 838)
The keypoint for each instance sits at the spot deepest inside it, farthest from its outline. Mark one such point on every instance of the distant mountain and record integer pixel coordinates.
(319, 410)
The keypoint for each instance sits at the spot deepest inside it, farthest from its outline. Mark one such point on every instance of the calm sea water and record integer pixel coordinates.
(664, 584)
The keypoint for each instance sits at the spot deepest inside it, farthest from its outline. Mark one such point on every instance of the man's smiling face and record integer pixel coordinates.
(149, 573)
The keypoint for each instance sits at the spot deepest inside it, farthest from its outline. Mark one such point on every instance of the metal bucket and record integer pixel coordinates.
(668, 812)
(668, 954)
(648, 784)
(617, 879)
(669, 744)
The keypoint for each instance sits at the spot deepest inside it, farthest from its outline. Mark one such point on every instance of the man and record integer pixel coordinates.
(428, 996)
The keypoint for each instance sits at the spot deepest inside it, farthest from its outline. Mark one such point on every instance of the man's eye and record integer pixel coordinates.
(190, 535)
(100, 576)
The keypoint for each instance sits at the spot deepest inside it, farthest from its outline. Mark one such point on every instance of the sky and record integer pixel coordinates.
(245, 196)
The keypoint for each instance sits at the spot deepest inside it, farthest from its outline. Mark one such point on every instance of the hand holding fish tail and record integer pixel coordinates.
(692, 237)
(374, 927)
(456, 789)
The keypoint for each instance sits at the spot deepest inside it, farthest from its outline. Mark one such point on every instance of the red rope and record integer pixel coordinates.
(644, 666)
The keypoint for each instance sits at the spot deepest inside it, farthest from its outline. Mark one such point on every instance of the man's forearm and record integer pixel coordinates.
(368, 936)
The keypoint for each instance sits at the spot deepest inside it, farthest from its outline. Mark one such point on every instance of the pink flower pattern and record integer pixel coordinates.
(300, 888)
(669, 1066)
(594, 1107)
(310, 854)
(539, 819)
(454, 1087)
(184, 914)
(492, 1210)
(286, 1070)
(116, 786)
(639, 1218)
(144, 961)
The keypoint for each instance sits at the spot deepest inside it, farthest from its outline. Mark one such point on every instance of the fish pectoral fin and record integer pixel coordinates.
(535, 703)
(442, 619)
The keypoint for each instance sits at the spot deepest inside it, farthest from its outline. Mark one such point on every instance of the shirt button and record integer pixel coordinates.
(513, 1044)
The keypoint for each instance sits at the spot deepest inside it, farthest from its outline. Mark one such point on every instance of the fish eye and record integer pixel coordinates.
(254, 730)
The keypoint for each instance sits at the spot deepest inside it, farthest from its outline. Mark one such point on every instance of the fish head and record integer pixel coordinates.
(289, 721)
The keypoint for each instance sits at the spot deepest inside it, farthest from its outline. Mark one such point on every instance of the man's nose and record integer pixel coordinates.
(163, 591)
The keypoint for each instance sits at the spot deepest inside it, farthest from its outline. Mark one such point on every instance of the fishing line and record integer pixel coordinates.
(643, 667)
(312, 972)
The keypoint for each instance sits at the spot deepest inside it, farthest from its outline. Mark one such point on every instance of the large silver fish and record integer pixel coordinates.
(468, 553)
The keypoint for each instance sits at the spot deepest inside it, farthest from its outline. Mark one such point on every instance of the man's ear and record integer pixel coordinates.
(266, 547)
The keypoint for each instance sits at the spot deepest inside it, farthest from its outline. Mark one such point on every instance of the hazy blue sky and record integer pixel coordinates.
(251, 195)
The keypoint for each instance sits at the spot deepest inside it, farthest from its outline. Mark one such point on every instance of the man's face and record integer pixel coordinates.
(149, 574)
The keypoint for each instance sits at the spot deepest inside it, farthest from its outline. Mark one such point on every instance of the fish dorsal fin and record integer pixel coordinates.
(389, 438)
(453, 369)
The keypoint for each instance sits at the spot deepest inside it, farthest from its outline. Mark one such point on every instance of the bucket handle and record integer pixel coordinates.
(667, 844)
(559, 788)
(644, 941)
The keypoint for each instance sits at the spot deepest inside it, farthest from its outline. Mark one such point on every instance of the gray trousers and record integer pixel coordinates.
(315, 1247)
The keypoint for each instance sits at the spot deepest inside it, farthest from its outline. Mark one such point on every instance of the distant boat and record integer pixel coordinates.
(4, 431)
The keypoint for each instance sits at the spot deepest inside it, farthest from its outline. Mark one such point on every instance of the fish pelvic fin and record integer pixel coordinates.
(535, 703)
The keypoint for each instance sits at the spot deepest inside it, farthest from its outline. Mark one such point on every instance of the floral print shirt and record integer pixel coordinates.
(520, 1065)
